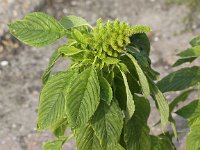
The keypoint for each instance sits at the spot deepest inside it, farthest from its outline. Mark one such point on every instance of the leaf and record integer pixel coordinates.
(136, 131)
(52, 99)
(73, 21)
(110, 60)
(183, 60)
(162, 103)
(141, 41)
(190, 52)
(141, 75)
(161, 143)
(106, 92)
(107, 123)
(52, 61)
(86, 138)
(69, 50)
(83, 98)
(60, 128)
(130, 106)
(180, 98)
(193, 138)
(180, 80)
(37, 29)
(195, 41)
(56, 144)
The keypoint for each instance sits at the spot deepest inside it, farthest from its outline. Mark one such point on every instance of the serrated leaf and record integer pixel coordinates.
(190, 52)
(184, 60)
(161, 102)
(59, 129)
(195, 41)
(180, 80)
(73, 21)
(136, 131)
(86, 138)
(142, 78)
(106, 92)
(110, 60)
(52, 61)
(161, 143)
(37, 29)
(130, 106)
(141, 41)
(69, 50)
(52, 99)
(107, 123)
(83, 98)
(56, 144)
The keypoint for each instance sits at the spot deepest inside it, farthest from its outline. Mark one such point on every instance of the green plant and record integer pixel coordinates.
(103, 96)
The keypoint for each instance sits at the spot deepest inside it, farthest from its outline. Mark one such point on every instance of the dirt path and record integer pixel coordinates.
(21, 66)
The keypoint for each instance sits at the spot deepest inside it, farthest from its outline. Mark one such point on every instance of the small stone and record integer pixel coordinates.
(4, 63)
(156, 39)
(14, 126)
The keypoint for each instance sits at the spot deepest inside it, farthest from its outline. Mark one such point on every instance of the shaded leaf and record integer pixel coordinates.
(180, 80)
(195, 41)
(190, 52)
(184, 60)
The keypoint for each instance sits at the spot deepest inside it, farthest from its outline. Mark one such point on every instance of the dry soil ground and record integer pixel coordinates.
(21, 66)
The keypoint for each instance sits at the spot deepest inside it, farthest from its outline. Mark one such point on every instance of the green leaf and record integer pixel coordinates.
(184, 60)
(141, 41)
(106, 92)
(161, 143)
(180, 98)
(69, 50)
(52, 61)
(130, 106)
(110, 60)
(52, 99)
(161, 102)
(107, 123)
(73, 21)
(180, 80)
(193, 138)
(136, 132)
(142, 78)
(86, 138)
(83, 98)
(56, 144)
(190, 52)
(59, 129)
(37, 29)
(195, 41)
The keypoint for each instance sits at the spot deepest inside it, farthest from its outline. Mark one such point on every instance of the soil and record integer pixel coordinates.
(21, 66)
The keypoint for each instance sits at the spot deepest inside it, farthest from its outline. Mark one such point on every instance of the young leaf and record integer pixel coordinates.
(52, 99)
(107, 123)
(37, 29)
(59, 129)
(86, 138)
(111, 60)
(180, 80)
(56, 144)
(73, 21)
(69, 50)
(130, 106)
(136, 131)
(83, 98)
(106, 92)
(190, 52)
(141, 75)
(52, 61)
